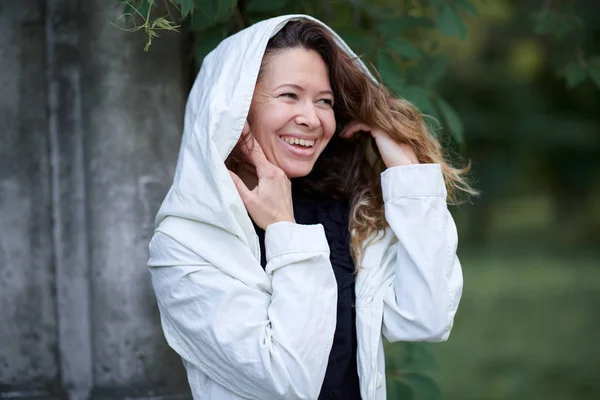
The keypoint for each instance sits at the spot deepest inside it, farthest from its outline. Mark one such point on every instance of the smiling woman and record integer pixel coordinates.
(291, 115)
(306, 221)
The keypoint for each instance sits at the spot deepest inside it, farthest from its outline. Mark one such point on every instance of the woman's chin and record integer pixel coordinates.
(297, 171)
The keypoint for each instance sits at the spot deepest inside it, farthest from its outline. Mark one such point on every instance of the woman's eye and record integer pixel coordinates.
(290, 95)
(329, 102)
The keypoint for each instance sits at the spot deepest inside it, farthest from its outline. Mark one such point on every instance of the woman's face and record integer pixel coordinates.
(291, 115)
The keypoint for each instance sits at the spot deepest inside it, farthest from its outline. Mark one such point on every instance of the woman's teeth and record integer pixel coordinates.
(301, 142)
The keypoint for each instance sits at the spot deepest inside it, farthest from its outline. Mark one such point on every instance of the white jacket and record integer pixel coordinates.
(248, 333)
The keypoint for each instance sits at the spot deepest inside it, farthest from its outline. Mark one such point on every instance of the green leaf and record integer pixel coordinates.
(209, 13)
(423, 385)
(135, 10)
(450, 23)
(595, 75)
(434, 68)
(186, 7)
(428, 71)
(394, 27)
(359, 42)
(207, 40)
(576, 21)
(574, 74)
(563, 29)
(566, 24)
(265, 6)
(594, 70)
(342, 17)
(163, 24)
(545, 21)
(418, 358)
(396, 389)
(389, 71)
(419, 97)
(453, 121)
(403, 48)
(372, 9)
(467, 7)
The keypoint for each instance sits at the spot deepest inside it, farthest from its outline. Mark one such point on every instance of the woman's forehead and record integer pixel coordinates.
(297, 66)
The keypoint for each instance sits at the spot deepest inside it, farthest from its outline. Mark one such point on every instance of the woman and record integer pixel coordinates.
(277, 289)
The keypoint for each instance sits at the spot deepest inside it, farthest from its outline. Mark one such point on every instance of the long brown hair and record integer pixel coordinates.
(349, 169)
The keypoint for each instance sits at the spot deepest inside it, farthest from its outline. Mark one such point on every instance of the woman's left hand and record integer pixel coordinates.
(392, 152)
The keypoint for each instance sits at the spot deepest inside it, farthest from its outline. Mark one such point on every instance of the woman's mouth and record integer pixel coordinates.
(298, 142)
(299, 147)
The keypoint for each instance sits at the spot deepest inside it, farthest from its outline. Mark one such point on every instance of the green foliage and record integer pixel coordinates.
(211, 13)
(575, 74)
(186, 7)
(450, 23)
(403, 48)
(264, 6)
(409, 369)
(594, 70)
(577, 71)
(562, 24)
(399, 39)
(141, 9)
(548, 21)
(453, 121)
(397, 26)
(400, 42)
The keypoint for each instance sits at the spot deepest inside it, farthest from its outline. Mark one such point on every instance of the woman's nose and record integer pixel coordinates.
(307, 116)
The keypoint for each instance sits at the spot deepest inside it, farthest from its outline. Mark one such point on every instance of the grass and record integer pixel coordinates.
(527, 328)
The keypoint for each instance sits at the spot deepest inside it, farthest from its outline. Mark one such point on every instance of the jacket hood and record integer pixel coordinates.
(218, 104)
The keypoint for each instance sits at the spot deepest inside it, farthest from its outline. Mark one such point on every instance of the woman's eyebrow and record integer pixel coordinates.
(300, 88)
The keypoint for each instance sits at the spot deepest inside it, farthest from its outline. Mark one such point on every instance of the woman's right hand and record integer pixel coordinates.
(271, 200)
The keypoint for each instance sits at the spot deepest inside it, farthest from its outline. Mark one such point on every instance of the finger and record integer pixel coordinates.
(240, 186)
(376, 133)
(354, 127)
(255, 154)
(347, 129)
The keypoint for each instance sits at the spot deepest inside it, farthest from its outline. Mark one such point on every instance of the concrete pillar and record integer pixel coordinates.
(133, 105)
(28, 327)
(90, 127)
(68, 194)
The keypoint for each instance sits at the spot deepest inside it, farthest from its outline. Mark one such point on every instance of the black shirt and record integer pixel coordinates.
(341, 377)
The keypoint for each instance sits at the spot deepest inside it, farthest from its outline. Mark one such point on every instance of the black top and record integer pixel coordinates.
(341, 377)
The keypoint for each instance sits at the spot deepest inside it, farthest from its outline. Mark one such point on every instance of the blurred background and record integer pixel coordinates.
(528, 322)
(89, 132)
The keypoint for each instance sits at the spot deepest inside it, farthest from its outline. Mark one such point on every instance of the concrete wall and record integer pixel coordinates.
(89, 131)
(28, 328)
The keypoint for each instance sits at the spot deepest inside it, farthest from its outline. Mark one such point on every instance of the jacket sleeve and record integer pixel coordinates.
(422, 298)
(255, 344)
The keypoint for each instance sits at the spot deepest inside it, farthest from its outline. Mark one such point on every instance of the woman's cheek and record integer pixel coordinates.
(330, 126)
